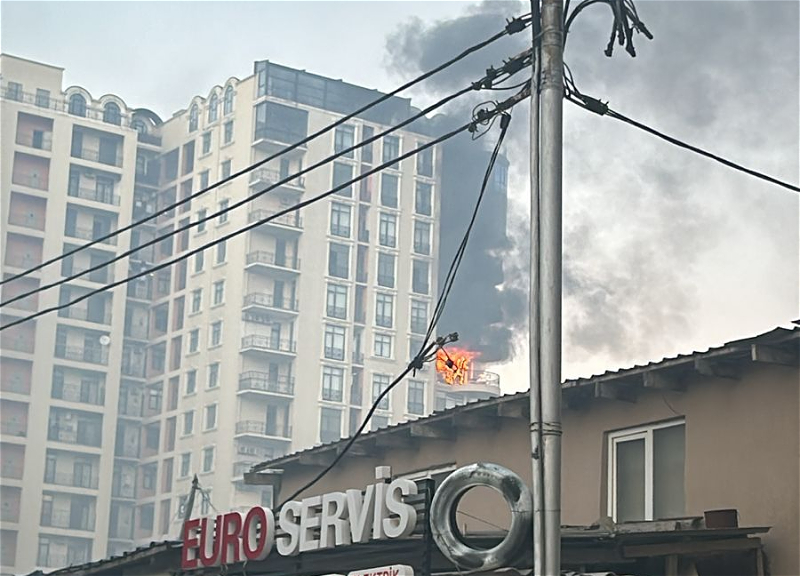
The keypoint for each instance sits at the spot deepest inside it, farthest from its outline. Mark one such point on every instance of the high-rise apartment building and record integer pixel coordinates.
(274, 340)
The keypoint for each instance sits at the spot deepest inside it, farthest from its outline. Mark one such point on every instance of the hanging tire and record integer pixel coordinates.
(443, 516)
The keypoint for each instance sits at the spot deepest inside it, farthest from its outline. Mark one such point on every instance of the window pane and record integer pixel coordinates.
(668, 472)
(630, 480)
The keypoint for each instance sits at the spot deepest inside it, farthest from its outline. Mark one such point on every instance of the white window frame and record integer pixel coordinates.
(638, 433)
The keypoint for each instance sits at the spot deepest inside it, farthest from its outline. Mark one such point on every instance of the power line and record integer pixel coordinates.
(512, 27)
(602, 109)
(505, 72)
(505, 105)
(427, 351)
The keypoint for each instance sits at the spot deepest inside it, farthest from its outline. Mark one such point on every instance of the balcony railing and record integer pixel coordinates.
(270, 176)
(11, 470)
(69, 479)
(72, 392)
(61, 432)
(272, 259)
(138, 332)
(264, 382)
(30, 180)
(63, 519)
(140, 291)
(82, 354)
(19, 429)
(43, 142)
(291, 219)
(16, 387)
(97, 155)
(86, 315)
(101, 275)
(269, 301)
(263, 429)
(29, 220)
(95, 194)
(17, 344)
(260, 342)
(133, 369)
(148, 138)
(89, 234)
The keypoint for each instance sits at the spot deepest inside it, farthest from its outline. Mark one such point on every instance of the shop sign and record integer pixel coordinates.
(396, 570)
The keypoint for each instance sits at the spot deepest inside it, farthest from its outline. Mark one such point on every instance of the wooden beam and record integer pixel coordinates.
(774, 355)
(660, 380)
(614, 391)
(716, 368)
(690, 547)
(432, 430)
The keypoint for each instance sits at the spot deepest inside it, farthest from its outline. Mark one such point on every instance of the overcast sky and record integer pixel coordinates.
(665, 252)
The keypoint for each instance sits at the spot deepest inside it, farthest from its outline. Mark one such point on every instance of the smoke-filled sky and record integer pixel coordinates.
(664, 251)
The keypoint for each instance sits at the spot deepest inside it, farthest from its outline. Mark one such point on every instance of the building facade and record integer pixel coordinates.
(272, 341)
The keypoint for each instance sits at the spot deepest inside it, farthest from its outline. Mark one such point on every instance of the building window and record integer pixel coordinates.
(213, 375)
(188, 422)
(339, 260)
(343, 173)
(194, 340)
(211, 417)
(191, 381)
(379, 422)
(199, 261)
(227, 103)
(223, 206)
(225, 170)
(146, 514)
(419, 279)
(380, 382)
(330, 424)
(213, 108)
(423, 203)
(334, 342)
(646, 472)
(206, 501)
(386, 270)
(201, 215)
(340, 219)
(216, 333)
(336, 301)
(111, 114)
(14, 92)
(414, 348)
(391, 150)
(77, 104)
(332, 383)
(425, 161)
(367, 132)
(197, 300)
(204, 175)
(208, 460)
(206, 143)
(422, 237)
(343, 139)
(416, 397)
(419, 317)
(194, 115)
(389, 186)
(384, 310)
(219, 292)
(227, 133)
(387, 230)
(383, 346)
(221, 252)
(186, 464)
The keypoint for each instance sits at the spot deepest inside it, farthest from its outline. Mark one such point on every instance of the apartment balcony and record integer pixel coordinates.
(99, 276)
(151, 139)
(14, 429)
(264, 177)
(263, 430)
(267, 302)
(139, 291)
(272, 140)
(27, 220)
(98, 155)
(270, 263)
(73, 392)
(17, 345)
(264, 384)
(82, 354)
(32, 180)
(137, 333)
(86, 315)
(94, 194)
(71, 480)
(64, 519)
(287, 224)
(89, 234)
(37, 140)
(259, 343)
(11, 470)
(133, 369)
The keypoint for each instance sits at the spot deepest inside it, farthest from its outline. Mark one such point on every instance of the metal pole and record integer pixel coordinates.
(537, 478)
(552, 100)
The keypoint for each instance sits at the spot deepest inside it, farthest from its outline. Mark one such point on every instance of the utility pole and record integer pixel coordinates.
(546, 264)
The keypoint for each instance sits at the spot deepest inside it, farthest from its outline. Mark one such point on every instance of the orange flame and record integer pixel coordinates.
(455, 365)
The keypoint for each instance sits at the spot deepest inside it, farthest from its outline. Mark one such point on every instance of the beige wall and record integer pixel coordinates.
(742, 445)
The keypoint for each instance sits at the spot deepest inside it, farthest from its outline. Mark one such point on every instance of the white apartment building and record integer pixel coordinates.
(276, 340)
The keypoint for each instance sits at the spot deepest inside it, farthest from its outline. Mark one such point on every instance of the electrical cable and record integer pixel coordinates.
(508, 69)
(513, 26)
(469, 126)
(602, 109)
